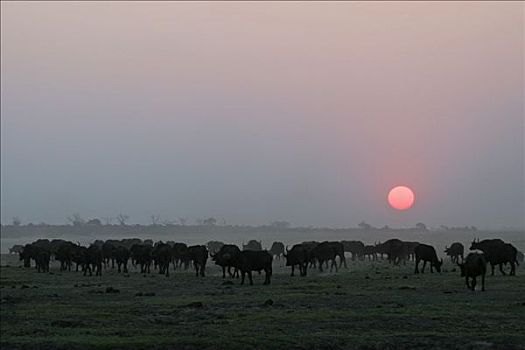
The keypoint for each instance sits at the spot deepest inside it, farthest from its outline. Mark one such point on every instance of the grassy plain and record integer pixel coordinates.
(371, 305)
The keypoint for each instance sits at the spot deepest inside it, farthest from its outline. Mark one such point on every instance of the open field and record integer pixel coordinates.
(369, 306)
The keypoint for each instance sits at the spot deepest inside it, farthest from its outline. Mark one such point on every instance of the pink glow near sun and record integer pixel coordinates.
(401, 198)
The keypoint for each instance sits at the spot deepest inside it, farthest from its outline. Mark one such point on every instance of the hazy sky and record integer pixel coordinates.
(253, 112)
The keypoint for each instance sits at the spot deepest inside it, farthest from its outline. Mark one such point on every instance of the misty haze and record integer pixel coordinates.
(367, 159)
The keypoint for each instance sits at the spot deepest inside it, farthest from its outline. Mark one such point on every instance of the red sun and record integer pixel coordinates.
(401, 198)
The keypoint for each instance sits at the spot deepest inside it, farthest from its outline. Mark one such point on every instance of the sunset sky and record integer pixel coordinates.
(260, 111)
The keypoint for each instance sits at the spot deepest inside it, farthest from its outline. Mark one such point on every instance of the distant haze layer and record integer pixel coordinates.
(251, 112)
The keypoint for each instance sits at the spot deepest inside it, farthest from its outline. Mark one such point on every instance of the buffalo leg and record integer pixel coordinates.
(423, 268)
(417, 265)
(473, 287)
(250, 277)
(501, 269)
(483, 282)
(268, 275)
(196, 266)
(293, 268)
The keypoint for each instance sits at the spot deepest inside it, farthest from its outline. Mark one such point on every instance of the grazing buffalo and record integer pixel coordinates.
(474, 265)
(325, 252)
(225, 258)
(277, 250)
(39, 253)
(339, 251)
(298, 255)
(162, 253)
(395, 249)
(497, 252)
(54, 245)
(199, 255)
(122, 255)
(310, 245)
(411, 249)
(78, 256)
(93, 260)
(26, 254)
(427, 253)
(214, 246)
(141, 255)
(180, 255)
(455, 251)
(252, 245)
(249, 260)
(356, 248)
(108, 251)
(16, 249)
(65, 254)
(370, 252)
(129, 242)
(42, 257)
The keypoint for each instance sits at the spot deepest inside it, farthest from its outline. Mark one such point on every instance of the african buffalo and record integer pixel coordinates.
(497, 252)
(395, 249)
(180, 255)
(42, 257)
(65, 254)
(93, 260)
(325, 252)
(410, 249)
(199, 255)
(16, 249)
(249, 260)
(370, 252)
(162, 253)
(427, 253)
(39, 253)
(225, 258)
(298, 255)
(122, 255)
(474, 265)
(141, 255)
(277, 250)
(26, 254)
(356, 248)
(455, 251)
(252, 245)
(108, 251)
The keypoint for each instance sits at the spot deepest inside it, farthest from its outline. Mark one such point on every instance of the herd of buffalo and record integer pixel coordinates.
(252, 257)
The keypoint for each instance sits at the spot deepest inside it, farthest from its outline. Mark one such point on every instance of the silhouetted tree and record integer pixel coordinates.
(76, 219)
(421, 226)
(209, 221)
(364, 225)
(122, 218)
(17, 221)
(155, 219)
(281, 224)
(94, 222)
